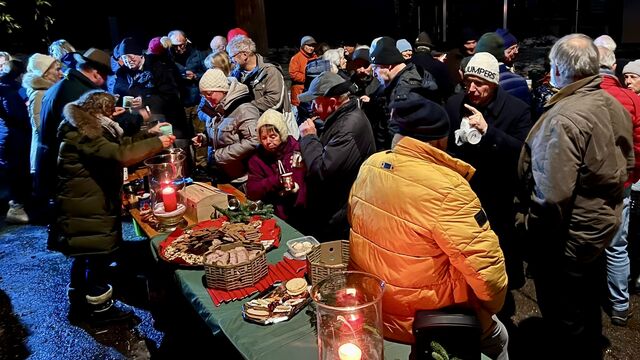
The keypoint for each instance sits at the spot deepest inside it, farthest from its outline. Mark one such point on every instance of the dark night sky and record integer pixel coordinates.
(328, 20)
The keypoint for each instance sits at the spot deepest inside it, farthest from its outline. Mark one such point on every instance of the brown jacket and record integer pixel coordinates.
(574, 164)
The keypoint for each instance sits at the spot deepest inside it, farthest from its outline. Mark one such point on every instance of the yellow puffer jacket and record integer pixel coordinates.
(416, 223)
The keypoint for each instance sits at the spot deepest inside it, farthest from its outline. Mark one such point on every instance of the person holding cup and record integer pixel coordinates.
(489, 127)
(276, 170)
(91, 158)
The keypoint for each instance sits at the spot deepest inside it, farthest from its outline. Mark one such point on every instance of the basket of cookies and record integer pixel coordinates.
(234, 266)
(327, 258)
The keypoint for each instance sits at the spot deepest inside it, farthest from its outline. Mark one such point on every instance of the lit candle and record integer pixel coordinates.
(349, 351)
(169, 199)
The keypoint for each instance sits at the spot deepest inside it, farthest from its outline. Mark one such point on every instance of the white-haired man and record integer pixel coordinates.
(573, 167)
(618, 264)
(265, 80)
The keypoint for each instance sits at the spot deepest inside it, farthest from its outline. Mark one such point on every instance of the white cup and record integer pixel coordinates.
(127, 102)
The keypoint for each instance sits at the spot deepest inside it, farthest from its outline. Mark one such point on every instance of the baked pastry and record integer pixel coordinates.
(296, 286)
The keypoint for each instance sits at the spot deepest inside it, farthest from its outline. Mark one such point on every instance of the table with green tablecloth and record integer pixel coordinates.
(293, 339)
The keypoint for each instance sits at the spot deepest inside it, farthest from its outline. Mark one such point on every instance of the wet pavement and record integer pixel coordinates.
(34, 324)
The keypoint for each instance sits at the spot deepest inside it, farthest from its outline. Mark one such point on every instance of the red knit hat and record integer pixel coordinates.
(236, 32)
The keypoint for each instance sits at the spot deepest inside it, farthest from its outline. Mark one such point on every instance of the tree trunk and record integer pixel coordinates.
(250, 15)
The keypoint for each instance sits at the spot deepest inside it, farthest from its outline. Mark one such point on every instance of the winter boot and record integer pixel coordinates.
(105, 311)
(16, 214)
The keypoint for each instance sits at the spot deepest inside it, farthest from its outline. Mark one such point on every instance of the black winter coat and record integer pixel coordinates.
(69, 89)
(496, 156)
(333, 160)
(425, 62)
(192, 60)
(89, 181)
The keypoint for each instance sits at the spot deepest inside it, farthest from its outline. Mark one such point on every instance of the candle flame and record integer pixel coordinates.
(349, 351)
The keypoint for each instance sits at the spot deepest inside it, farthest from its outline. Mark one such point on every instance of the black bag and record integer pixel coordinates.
(453, 330)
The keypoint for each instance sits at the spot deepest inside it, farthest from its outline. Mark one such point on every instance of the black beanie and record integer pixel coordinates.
(423, 39)
(384, 52)
(418, 117)
(129, 46)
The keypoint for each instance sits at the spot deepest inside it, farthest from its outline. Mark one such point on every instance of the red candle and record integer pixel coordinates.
(169, 199)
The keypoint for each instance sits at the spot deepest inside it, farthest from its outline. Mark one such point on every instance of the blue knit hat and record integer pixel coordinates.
(403, 45)
(509, 39)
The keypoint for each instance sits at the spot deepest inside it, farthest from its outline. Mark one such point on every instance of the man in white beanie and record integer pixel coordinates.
(231, 126)
(502, 121)
(572, 169)
(631, 73)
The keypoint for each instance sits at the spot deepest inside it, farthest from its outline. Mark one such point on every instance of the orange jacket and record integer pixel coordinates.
(297, 67)
(416, 223)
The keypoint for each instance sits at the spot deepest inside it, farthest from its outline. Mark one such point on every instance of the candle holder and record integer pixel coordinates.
(166, 179)
(349, 316)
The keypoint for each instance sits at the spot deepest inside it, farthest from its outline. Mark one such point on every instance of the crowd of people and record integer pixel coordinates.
(443, 168)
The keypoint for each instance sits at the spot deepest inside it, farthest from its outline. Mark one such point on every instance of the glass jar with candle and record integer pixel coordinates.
(166, 179)
(349, 313)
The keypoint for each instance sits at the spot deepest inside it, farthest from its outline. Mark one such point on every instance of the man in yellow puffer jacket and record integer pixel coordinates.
(416, 223)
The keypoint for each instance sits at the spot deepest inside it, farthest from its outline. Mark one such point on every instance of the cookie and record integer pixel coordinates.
(296, 286)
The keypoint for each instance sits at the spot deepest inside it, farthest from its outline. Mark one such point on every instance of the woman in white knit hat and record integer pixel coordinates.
(631, 74)
(230, 120)
(43, 71)
(276, 170)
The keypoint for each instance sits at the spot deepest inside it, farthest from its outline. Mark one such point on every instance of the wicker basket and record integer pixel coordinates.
(328, 258)
(230, 277)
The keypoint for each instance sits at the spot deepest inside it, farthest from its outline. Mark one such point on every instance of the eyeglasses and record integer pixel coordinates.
(179, 46)
(238, 53)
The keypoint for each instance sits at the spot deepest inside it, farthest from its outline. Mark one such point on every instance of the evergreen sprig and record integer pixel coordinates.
(243, 214)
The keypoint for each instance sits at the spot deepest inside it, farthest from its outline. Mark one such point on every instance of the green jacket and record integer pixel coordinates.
(90, 162)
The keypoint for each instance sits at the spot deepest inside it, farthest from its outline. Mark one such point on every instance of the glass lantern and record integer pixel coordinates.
(349, 313)
(166, 180)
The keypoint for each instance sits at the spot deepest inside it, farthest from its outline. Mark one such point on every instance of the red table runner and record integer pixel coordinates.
(284, 270)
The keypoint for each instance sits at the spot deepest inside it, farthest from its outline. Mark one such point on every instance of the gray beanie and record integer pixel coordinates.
(632, 67)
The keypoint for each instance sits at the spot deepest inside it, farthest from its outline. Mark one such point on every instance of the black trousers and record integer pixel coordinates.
(89, 276)
(569, 296)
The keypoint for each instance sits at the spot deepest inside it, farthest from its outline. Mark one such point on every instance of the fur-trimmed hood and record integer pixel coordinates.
(31, 81)
(87, 124)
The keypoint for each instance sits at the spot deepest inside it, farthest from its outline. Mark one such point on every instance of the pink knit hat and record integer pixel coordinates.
(158, 45)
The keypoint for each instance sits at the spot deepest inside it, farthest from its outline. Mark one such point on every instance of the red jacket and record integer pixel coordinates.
(297, 67)
(631, 102)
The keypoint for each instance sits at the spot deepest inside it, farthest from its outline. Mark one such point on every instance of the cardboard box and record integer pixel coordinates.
(199, 199)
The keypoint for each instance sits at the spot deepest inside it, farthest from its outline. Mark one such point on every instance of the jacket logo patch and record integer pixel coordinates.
(481, 217)
(386, 166)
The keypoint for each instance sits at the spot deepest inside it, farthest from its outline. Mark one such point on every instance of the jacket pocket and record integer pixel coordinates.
(228, 135)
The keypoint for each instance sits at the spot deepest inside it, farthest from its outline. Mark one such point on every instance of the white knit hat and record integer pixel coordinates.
(632, 67)
(483, 65)
(275, 118)
(214, 80)
(39, 64)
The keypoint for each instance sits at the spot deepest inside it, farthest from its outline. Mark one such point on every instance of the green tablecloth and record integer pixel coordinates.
(293, 339)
